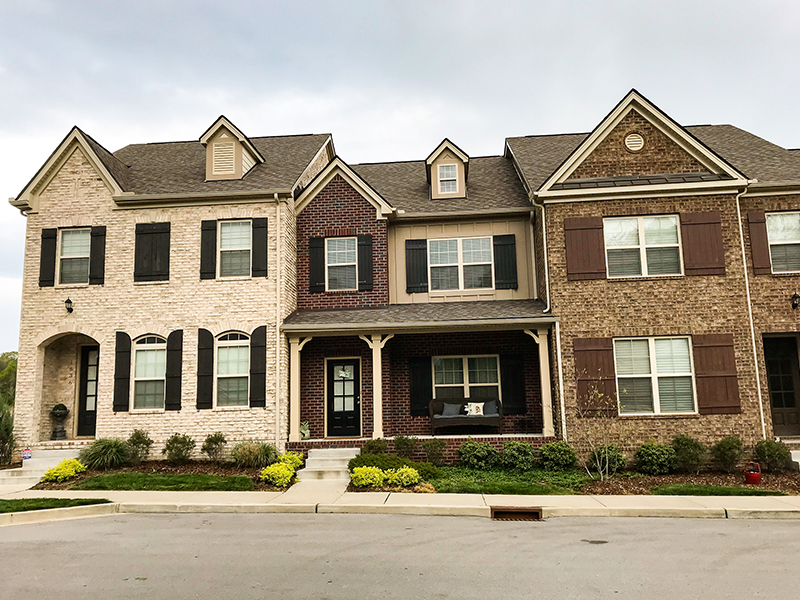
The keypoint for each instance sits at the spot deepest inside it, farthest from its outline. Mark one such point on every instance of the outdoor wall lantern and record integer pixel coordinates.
(68, 304)
(795, 300)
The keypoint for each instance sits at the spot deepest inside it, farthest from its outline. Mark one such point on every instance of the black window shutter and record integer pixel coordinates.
(258, 367)
(97, 256)
(316, 264)
(505, 263)
(260, 238)
(205, 369)
(151, 262)
(122, 372)
(364, 262)
(420, 384)
(416, 266)
(208, 250)
(172, 393)
(47, 259)
(512, 382)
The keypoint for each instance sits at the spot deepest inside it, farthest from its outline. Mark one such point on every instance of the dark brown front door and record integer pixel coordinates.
(783, 373)
(87, 393)
(344, 398)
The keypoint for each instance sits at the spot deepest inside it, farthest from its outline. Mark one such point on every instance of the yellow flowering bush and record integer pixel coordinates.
(402, 477)
(64, 470)
(278, 474)
(367, 477)
(293, 459)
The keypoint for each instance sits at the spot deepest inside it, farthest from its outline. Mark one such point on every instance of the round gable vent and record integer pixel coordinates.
(634, 142)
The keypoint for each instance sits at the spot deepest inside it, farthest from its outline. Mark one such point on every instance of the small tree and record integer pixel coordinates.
(598, 428)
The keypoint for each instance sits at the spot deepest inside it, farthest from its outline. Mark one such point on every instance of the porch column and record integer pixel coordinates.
(376, 342)
(540, 337)
(295, 346)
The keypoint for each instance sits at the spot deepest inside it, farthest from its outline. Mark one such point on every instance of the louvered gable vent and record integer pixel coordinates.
(229, 153)
(224, 153)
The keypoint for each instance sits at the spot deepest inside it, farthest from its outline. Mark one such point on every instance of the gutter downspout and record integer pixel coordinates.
(750, 308)
(278, 345)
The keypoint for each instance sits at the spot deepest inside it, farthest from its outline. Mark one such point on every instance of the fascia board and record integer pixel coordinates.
(129, 200)
(653, 191)
(446, 143)
(415, 326)
(323, 148)
(223, 121)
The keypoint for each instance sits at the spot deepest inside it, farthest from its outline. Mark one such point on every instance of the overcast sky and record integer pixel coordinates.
(389, 79)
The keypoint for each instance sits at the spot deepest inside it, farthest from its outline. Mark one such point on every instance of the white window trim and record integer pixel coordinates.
(59, 258)
(654, 376)
(440, 179)
(642, 247)
(460, 264)
(345, 237)
(770, 244)
(220, 250)
(465, 366)
(160, 346)
(219, 343)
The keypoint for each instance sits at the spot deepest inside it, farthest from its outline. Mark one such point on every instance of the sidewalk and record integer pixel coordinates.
(331, 497)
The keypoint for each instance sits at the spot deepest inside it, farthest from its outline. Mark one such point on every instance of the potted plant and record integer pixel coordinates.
(59, 414)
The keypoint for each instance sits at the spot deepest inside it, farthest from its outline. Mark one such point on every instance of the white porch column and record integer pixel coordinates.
(540, 337)
(295, 346)
(376, 342)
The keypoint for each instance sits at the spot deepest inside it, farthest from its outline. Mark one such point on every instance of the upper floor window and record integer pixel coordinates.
(341, 265)
(149, 372)
(233, 368)
(642, 246)
(448, 179)
(234, 248)
(460, 264)
(75, 248)
(466, 377)
(654, 375)
(783, 233)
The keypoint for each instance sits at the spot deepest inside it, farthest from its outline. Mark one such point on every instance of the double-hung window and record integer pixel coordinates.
(461, 264)
(233, 368)
(149, 372)
(341, 268)
(642, 246)
(75, 248)
(466, 377)
(654, 375)
(234, 248)
(448, 179)
(783, 233)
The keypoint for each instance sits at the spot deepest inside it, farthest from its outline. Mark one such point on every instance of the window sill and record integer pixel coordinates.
(235, 278)
(146, 411)
(230, 408)
(784, 274)
(71, 286)
(660, 416)
(151, 282)
(353, 291)
(648, 278)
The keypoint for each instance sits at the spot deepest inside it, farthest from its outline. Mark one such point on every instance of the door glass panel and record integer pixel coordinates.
(338, 404)
(349, 403)
(91, 403)
(349, 387)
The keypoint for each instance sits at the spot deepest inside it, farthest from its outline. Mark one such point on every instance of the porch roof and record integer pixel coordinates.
(442, 316)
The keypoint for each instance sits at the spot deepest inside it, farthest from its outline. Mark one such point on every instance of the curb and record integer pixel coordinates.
(133, 508)
(57, 514)
(383, 509)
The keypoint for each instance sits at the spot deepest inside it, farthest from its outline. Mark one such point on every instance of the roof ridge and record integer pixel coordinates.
(258, 137)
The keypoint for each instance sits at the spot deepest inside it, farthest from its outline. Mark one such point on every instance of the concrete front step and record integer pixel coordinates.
(347, 453)
(796, 460)
(308, 474)
(327, 463)
(17, 473)
(26, 481)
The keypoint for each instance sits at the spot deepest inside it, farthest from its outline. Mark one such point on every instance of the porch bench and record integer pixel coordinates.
(457, 417)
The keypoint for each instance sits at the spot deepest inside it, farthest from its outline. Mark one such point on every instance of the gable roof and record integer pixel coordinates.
(446, 144)
(223, 121)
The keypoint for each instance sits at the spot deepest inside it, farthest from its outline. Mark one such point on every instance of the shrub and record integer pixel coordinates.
(293, 459)
(405, 446)
(728, 453)
(389, 461)
(367, 477)
(434, 451)
(558, 456)
(251, 454)
(66, 469)
(139, 444)
(520, 456)
(379, 446)
(178, 448)
(690, 455)
(606, 460)
(402, 477)
(6, 435)
(653, 458)
(277, 474)
(214, 446)
(772, 455)
(105, 453)
(478, 455)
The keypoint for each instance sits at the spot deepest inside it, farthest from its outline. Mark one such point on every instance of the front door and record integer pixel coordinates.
(783, 373)
(344, 398)
(87, 393)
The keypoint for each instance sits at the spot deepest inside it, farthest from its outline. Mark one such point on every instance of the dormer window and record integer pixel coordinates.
(223, 161)
(447, 169)
(229, 153)
(448, 179)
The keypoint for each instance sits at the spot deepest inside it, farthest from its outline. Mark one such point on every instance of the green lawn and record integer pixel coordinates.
(24, 504)
(679, 489)
(460, 480)
(161, 482)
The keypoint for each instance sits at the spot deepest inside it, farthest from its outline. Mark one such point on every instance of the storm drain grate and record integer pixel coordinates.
(516, 513)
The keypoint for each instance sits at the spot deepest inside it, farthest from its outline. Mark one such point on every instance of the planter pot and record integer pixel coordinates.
(59, 416)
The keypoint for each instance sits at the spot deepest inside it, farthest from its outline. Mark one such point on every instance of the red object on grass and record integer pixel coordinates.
(752, 473)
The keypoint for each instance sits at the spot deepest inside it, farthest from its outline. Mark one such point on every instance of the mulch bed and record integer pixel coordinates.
(166, 468)
(787, 482)
(15, 465)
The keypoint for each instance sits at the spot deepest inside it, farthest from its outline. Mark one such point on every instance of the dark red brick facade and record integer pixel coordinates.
(338, 211)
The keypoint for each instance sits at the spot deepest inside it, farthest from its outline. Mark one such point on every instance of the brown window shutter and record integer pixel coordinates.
(594, 368)
(703, 251)
(586, 256)
(715, 374)
(759, 245)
